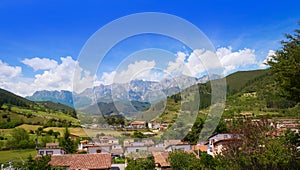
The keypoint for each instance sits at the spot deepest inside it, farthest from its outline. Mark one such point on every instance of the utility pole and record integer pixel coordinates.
(37, 143)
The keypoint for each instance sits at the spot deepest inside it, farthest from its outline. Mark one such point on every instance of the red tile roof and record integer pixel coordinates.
(82, 161)
(117, 151)
(138, 123)
(202, 148)
(160, 159)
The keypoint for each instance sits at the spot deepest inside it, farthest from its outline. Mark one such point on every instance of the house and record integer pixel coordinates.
(163, 126)
(82, 161)
(138, 124)
(51, 149)
(171, 142)
(171, 145)
(74, 136)
(84, 144)
(160, 159)
(200, 147)
(148, 142)
(108, 140)
(216, 143)
(130, 149)
(153, 125)
(183, 146)
(127, 141)
(117, 151)
(220, 146)
(97, 149)
(154, 149)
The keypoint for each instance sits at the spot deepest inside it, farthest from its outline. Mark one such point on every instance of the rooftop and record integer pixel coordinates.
(82, 161)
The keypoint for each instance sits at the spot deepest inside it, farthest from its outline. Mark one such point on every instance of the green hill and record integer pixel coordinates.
(16, 110)
(247, 91)
(7, 97)
(236, 81)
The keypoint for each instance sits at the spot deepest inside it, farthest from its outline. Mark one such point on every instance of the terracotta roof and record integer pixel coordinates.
(156, 149)
(171, 142)
(226, 140)
(52, 145)
(82, 161)
(202, 148)
(117, 151)
(160, 159)
(84, 141)
(138, 123)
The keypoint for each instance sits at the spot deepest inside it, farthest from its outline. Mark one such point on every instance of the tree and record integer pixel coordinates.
(46, 139)
(67, 143)
(193, 136)
(285, 65)
(19, 139)
(137, 134)
(56, 134)
(141, 163)
(181, 160)
(255, 147)
(50, 132)
(40, 163)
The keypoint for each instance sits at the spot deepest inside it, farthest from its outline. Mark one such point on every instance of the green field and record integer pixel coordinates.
(16, 155)
(45, 115)
(76, 131)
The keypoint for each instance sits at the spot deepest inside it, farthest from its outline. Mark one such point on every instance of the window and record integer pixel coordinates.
(41, 152)
(49, 152)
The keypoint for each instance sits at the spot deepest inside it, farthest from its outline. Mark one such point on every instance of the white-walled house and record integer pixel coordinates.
(51, 149)
(216, 143)
(182, 146)
(130, 149)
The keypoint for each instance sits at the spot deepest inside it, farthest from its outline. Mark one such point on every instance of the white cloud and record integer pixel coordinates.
(59, 77)
(232, 60)
(200, 61)
(40, 63)
(137, 70)
(107, 78)
(269, 57)
(193, 65)
(8, 72)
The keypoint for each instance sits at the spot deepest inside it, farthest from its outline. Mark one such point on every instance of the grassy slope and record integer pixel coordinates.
(248, 91)
(238, 80)
(16, 155)
(18, 108)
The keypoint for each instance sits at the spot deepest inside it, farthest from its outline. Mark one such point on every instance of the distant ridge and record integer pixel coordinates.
(135, 90)
(63, 97)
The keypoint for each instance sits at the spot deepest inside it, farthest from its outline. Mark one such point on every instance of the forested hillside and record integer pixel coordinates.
(15, 110)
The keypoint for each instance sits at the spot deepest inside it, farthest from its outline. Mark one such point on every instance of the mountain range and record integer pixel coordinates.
(135, 90)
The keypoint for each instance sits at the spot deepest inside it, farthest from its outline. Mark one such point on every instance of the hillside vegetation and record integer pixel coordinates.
(15, 110)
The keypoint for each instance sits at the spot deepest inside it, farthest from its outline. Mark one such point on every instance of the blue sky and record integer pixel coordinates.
(53, 30)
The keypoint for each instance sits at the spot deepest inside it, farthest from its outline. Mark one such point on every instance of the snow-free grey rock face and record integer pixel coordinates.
(136, 90)
(63, 97)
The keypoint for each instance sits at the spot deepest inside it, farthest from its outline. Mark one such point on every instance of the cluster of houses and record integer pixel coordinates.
(139, 125)
(104, 149)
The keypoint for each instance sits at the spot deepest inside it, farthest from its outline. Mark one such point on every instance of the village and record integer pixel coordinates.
(101, 152)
